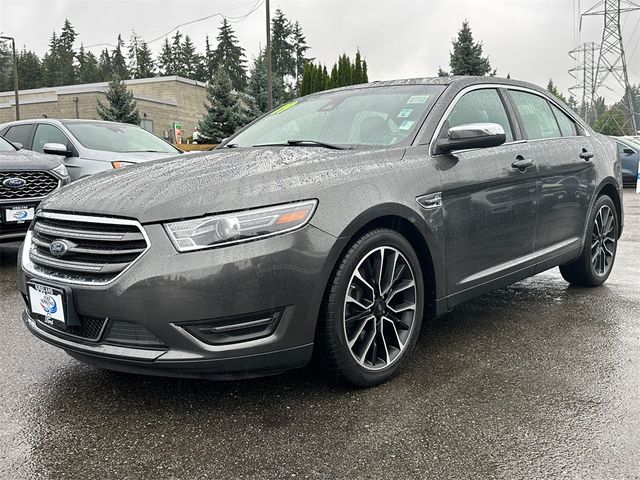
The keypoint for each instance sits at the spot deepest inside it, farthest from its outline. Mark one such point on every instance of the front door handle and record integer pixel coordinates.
(586, 155)
(522, 163)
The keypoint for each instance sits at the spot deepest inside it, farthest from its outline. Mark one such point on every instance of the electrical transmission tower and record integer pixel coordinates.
(612, 61)
(585, 74)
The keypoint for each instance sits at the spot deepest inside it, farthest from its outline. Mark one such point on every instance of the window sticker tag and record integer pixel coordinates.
(418, 99)
(284, 107)
(405, 112)
(406, 125)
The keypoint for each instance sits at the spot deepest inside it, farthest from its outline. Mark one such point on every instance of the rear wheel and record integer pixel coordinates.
(373, 309)
(594, 266)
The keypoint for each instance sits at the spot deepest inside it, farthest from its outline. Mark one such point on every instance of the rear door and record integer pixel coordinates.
(564, 157)
(21, 133)
(489, 202)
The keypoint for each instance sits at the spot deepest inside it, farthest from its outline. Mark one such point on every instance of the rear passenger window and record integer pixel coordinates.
(481, 106)
(538, 120)
(567, 126)
(18, 133)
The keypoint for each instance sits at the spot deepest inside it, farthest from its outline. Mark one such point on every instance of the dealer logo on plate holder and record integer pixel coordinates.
(50, 307)
(19, 214)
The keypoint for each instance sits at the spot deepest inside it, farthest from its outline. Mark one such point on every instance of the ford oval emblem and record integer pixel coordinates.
(58, 248)
(14, 182)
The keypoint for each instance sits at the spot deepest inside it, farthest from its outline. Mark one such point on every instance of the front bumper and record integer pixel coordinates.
(163, 290)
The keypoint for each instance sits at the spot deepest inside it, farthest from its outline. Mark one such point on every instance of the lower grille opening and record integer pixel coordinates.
(131, 334)
(234, 329)
(90, 328)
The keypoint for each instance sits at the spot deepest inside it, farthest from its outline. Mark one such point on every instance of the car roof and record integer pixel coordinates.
(459, 81)
(62, 121)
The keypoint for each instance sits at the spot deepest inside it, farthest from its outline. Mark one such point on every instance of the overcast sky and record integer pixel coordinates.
(399, 38)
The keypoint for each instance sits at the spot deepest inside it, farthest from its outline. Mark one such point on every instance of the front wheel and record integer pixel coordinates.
(373, 309)
(594, 266)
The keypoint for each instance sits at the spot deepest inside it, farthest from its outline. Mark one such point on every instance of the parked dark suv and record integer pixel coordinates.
(26, 178)
(337, 222)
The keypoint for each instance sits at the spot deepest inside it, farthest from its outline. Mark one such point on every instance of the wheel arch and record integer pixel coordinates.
(411, 226)
(610, 188)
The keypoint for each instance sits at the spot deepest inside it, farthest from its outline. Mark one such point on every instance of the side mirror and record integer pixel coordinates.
(472, 135)
(628, 151)
(56, 149)
(18, 145)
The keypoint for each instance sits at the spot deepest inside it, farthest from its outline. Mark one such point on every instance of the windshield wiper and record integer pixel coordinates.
(231, 145)
(302, 143)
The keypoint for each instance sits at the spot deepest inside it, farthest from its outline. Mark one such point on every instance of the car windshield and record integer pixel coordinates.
(5, 146)
(378, 116)
(117, 137)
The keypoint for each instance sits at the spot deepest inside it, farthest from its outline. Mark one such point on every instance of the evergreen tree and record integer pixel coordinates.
(257, 86)
(300, 47)
(229, 56)
(357, 76)
(29, 70)
(209, 60)
(553, 90)
(51, 63)
(132, 54)
(610, 122)
(442, 73)
(104, 64)
(365, 72)
(120, 107)
(224, 114)
(165, 59)
(466, 57)
(88, 70)
(282, 49)
(65, 55)
(5, 68)
(145, 66)
(176, 54)
(190, 59)
(118, 63)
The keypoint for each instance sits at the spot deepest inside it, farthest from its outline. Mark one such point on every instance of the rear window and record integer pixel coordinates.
(19, 134)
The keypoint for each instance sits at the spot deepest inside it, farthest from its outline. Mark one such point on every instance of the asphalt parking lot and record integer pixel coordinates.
(538, 380)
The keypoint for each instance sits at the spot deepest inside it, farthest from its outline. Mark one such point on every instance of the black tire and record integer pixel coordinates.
(591, 269)
(389, 297)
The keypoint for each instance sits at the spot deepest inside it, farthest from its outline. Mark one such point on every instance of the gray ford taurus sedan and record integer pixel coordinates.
(338, 222)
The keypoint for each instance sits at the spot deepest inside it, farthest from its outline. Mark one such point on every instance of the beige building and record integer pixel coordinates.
(162, 101)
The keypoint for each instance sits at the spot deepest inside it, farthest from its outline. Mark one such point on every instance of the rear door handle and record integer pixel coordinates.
(586, 155)
(522, 163)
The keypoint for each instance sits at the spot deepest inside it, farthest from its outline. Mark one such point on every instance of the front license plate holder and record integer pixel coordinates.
(51, 305)
(18, 214)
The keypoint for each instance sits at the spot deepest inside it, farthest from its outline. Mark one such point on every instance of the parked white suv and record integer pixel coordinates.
(88, 146)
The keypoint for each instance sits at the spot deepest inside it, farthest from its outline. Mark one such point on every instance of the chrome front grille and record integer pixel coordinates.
(90, 249)
(37, 185)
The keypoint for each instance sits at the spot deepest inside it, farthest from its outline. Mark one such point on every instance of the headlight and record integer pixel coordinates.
(239, 226)
(61, 170)
(119, 164)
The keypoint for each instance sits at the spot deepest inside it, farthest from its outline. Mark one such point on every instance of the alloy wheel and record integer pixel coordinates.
(380, 308)
(603, 241)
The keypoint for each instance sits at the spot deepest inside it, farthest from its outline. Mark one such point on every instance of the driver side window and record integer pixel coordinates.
(48, 134)
(480, 106)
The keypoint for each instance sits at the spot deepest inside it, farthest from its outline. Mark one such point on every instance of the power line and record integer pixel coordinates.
(256, 5)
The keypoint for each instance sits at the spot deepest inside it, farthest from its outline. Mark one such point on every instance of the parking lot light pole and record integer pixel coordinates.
(15, 74)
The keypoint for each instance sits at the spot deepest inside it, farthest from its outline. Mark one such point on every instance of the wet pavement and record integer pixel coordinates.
(538, 380)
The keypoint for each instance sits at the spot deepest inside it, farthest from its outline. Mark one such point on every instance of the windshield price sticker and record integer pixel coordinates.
(418, 99)
(405, 112)
(406, 125)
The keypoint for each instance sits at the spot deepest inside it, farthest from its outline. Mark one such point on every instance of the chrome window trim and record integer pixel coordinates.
(501, 86)
(27, 264)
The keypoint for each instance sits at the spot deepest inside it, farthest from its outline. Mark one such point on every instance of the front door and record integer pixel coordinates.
(489, 203)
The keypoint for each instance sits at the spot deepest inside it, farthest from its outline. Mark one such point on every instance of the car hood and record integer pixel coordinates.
(24, 160)
(218, 181)
(133, 157)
